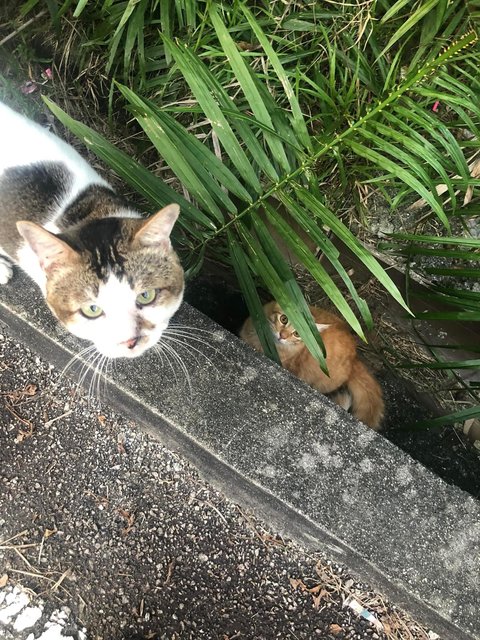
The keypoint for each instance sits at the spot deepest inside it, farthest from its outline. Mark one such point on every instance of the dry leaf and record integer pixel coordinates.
(30, 390)
(102, 420)
(130, 518)
(316, 589)
(3, 580)
(297, 583)
(335, 629)
(49, 532)
(386, 627)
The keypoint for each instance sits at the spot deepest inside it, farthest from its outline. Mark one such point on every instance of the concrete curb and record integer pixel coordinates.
(274, 444)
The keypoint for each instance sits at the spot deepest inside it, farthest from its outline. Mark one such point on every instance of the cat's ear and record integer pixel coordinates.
(322, 327)
(51, 251)
(156, 230)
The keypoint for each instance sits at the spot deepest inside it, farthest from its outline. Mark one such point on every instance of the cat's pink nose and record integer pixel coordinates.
(131, 343)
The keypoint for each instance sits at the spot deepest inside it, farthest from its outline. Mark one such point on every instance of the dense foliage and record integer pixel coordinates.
(272, 116)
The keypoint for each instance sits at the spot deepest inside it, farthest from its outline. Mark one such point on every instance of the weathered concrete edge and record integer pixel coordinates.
(240, 488)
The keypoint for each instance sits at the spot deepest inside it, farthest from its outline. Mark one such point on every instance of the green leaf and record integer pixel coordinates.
(246, 81)
(468, 242)
(451, 418)
(192, 176)
(468, 316)
(346, 236)
(412, 20)
(81, 4)
(451, 364)
(298, 121)
(215, 103)
(254, 304)
(455, 272)
(298, 246)
(152, 188)
(278, 278)
(403, 174)
(417, 145)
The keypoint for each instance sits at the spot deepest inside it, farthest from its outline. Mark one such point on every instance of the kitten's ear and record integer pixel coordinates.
(51, 251)
(322, 327)
(156, 230)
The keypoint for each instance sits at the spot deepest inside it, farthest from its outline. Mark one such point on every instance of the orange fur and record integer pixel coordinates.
(349, 382)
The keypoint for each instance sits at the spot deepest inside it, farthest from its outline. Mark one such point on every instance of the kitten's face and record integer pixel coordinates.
(118, 289)
(283, 331)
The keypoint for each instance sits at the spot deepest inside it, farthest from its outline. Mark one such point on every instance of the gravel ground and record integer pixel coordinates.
(104, 532)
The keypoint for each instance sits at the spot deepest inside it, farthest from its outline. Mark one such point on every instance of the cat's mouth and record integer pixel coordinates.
(131, 348)
(134, 347)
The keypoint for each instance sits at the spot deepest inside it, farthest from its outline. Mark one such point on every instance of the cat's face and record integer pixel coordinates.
(115, 283)
(283, 330)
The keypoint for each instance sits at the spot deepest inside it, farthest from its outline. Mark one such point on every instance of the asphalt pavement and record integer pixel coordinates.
(109, 535)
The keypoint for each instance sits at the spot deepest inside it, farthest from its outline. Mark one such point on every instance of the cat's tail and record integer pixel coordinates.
(367, 398)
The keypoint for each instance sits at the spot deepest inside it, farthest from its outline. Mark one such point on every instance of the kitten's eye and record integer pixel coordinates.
(283, 319)
(146, 297)
(295, 334)
(91, 311)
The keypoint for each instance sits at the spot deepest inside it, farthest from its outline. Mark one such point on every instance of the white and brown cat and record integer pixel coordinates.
(349, 383)
(108, 275)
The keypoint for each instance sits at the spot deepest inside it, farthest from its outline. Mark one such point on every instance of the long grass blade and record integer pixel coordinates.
(215, 103)
(298, 121)
(246, 81)
(254, 304)
(152, 188)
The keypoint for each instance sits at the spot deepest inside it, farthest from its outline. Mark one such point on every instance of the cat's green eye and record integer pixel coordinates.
(283, 319)
(91, 311)
(296, 334)
(146, 297)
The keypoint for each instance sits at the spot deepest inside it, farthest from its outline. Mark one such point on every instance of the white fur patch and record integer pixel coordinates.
(25, 142)
(5, 270)
(29, 262)
(121, 320)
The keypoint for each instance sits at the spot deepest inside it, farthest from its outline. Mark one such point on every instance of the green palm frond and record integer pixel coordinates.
(263, 168)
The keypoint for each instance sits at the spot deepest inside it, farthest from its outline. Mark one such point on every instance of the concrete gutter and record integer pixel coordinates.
(275, 445)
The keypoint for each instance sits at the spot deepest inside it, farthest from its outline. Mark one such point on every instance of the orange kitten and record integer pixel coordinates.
(349, 383)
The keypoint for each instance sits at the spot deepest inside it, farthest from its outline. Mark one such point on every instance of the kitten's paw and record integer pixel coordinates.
(6, 270)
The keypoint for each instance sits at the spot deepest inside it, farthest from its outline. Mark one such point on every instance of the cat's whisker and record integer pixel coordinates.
(93, 367)
(86, 367)
(191, 349)
(98, 377)
(86, 364)
(101, 377)
(189, 336)
(159, 350)
(76, 357)
(186, 336)
(187, 327)
(177, 358)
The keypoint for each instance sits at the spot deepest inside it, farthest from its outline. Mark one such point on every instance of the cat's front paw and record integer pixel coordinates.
(6, 270)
